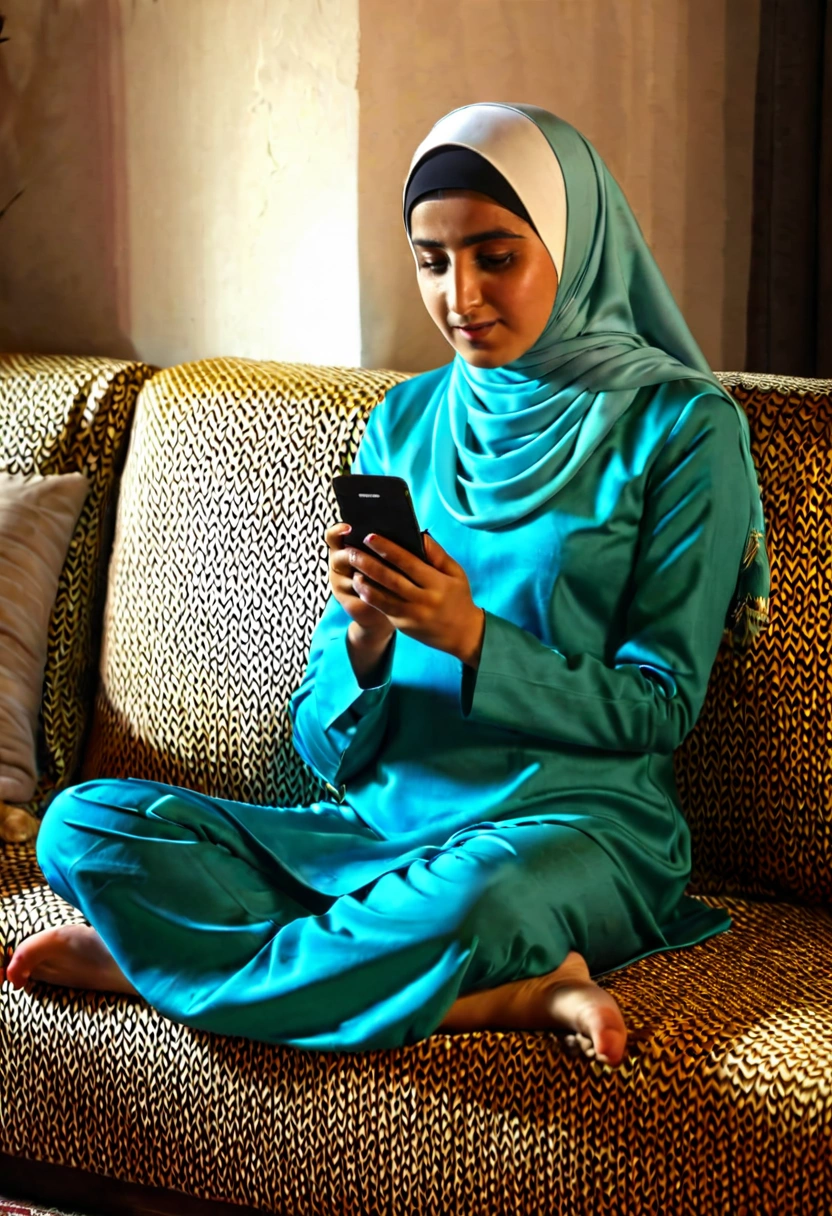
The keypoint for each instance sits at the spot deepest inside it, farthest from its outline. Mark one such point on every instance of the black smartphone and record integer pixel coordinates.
(378, 504)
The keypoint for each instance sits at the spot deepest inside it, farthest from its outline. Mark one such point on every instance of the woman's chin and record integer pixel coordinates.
(482, 358)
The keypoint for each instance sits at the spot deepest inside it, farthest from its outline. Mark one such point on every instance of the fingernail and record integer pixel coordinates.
(369, 538)
(347, 528)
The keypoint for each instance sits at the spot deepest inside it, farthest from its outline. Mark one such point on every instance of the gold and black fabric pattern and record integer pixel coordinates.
(754, 776)
(219, 573)
(723, 1103)
(64, 414)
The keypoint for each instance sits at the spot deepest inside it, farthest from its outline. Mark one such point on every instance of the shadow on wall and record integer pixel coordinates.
(63, 243)
(742, 48)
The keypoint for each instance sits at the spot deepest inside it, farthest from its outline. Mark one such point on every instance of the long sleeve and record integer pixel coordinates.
(337, 725)
(696, 518)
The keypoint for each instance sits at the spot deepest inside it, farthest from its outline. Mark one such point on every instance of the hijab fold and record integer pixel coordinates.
(507, 439)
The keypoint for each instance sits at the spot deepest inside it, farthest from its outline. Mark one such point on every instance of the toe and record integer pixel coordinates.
(604, 1024)
(610, 1045)
(16, 973)
(20, 964)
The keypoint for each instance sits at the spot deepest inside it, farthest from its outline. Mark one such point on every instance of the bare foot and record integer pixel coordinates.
(565, 999)
(71, 955)
(17, 825)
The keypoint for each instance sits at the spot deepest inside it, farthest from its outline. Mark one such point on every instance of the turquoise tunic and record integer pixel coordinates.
(483, 823)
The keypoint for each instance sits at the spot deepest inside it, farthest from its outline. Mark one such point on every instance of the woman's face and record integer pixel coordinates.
(482, 266)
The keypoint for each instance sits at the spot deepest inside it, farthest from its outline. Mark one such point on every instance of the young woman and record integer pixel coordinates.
(499, 719)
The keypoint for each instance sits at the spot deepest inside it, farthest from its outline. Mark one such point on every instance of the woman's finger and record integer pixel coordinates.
(342, 584)
(438, 557)
(390, 580)
(376, 595)
(336, 535)
(339, 562)
(417, 571)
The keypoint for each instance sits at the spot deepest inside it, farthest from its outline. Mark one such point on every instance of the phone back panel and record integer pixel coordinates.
(378, 504)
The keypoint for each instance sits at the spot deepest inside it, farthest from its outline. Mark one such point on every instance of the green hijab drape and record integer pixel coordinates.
(507, 439)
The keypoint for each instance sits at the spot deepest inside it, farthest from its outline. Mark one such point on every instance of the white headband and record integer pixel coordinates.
(515, 145)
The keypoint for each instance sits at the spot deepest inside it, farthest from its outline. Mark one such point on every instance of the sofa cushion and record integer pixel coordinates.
(219, 572)
(754, 775)
(62, 414)
(37, 518)
(722, 1104)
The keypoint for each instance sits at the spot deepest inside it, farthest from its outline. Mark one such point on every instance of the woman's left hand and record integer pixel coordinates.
(429, 601)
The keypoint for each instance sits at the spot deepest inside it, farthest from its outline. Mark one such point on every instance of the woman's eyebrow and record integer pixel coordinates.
(492, 235)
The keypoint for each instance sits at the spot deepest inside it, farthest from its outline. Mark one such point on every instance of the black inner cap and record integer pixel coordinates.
(452, 168)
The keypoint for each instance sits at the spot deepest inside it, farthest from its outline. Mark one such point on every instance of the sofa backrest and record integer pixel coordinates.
(219, 574)
(67, 414)
(754, 774)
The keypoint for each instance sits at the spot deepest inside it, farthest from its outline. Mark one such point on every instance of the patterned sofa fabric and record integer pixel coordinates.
(754, 776)
(62, 414)
(219, 572)
(723, 1102)
(218, 575)
(721, 1106)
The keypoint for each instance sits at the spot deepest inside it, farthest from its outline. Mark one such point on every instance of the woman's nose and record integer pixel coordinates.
(464, 291)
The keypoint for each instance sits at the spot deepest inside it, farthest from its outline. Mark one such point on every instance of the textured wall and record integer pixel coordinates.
(197, 180)
(663, 88)
(190, 171)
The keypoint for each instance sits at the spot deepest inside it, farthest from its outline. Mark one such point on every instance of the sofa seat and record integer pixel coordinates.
(725, 1086)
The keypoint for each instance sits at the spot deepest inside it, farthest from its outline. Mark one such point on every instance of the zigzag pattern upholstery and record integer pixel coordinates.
(753, 775)
(723, 1103)
(65, 414)
(219, 573)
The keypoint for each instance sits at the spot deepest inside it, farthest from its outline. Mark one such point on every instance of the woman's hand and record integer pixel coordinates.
(429, 601)
(369, 620)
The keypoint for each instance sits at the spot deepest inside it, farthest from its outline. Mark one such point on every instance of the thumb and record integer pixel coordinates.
(437, 556)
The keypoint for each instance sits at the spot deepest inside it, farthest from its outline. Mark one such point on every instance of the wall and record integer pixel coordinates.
(190, 170)
(200, 178)
(663, 88)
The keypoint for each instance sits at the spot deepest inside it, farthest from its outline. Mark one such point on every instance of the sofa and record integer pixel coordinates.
(181, 624)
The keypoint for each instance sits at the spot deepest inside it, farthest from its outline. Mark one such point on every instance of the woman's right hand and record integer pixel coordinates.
(372, 623)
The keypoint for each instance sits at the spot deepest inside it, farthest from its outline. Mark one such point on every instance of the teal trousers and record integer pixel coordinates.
(236, 918)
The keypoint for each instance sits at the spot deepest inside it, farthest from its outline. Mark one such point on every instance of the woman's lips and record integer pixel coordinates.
(477, 331)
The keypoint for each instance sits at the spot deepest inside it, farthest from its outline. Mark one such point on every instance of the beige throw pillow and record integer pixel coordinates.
(37, 518)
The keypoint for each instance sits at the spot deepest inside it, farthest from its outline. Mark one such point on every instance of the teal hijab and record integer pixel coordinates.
(507, 439)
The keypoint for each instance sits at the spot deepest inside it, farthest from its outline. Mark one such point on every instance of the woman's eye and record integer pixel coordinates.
(487, 262)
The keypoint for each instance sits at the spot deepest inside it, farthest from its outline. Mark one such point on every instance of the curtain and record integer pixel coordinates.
(790, 288)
